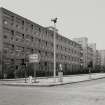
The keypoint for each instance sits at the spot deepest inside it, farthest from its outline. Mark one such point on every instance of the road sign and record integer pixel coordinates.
(34, 58)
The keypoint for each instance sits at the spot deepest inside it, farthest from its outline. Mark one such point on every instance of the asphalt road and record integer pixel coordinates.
(84, 93)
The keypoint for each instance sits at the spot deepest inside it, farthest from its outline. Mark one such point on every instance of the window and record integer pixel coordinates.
(32, 27)
(22, 22)
(46, 43)
(39, 29)
(8, 18)
(39, 51)
(6, 31)
(8, 34)
(45, 53)
(5, 36)
(5, 22)
(46, 32)
(28, 38)
(57, 46)
(19, 23)
(7, 60)
(51, 34)
(19, 37)
(32, 39)
(12, 35)
(12, 32)
(19, 48)
(27, 26)
(5, 51)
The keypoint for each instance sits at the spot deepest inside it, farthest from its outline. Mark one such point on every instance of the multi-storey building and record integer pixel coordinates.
(87, 51)
(20, 37)
(102, 55)
(98, 58)
(89, 55)
(93, 46)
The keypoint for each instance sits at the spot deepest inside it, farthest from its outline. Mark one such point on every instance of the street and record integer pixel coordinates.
(83, 93)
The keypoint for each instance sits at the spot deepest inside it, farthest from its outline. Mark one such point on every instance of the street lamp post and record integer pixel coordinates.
(54, 21)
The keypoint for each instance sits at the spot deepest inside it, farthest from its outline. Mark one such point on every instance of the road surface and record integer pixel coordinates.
(84, 93)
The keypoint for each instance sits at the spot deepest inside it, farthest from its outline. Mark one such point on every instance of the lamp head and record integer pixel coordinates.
(54, 20)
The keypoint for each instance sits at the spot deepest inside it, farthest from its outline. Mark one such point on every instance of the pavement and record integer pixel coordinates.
(47, 82)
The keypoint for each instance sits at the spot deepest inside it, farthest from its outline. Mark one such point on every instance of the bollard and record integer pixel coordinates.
(60, 76)
(30, 79)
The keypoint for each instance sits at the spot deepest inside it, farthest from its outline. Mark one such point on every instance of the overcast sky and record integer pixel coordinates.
(76, 18)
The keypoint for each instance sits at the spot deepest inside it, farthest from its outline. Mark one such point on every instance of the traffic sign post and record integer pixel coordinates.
(34, 59)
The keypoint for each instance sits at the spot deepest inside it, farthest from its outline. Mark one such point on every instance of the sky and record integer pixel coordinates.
(76, 18)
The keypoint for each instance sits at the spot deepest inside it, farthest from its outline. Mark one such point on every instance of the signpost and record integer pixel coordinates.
(34, 59)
